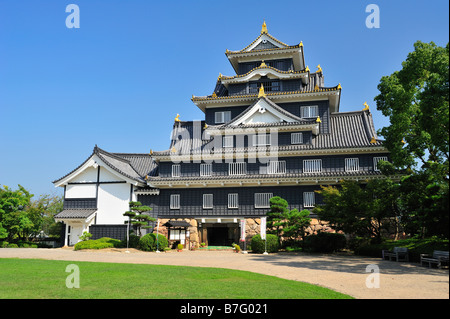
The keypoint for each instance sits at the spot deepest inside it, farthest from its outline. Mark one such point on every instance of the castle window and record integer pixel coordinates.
(352, 164)
(276, 167)
(262, 200)
(207, 201)
(238, 168)
(308, 199)
(176, 170)
(222, 117)
(312, 166)
(175, 201)
(205, 169)
(261, 140)
(376, 160)
(296, 138)
(227, 141)
(233, 201)
(309, 111)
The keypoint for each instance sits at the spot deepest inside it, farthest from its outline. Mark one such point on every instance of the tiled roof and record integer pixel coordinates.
(133, 166)
(75, 213)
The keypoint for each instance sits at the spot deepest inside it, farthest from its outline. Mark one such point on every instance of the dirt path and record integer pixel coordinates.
(346, 274)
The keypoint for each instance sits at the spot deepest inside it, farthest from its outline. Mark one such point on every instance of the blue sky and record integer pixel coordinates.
(120, 79)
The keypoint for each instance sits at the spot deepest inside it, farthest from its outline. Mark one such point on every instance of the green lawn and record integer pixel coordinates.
(35, 278)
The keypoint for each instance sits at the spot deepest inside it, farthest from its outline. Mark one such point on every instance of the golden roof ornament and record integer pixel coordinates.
(373, 140)
(319, 69)
(301, 43)
(316, 88)
(263, 64)
(173, 150)
(318, 120)
(366, 106)
(214, 95)
(264, 28)
(339, 86)
(261, 92)
(177, 118)
(307, 69)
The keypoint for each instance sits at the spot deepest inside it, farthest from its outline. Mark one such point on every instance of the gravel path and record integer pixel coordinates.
(343, 273)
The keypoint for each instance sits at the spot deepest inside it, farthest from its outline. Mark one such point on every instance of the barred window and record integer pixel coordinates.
(176, 170)
(276, 167)
(222, 117)
(175, 201)
(238, 168)
(308, 199)
(205, 169)
(262, 200)
(376, 160)
(352, 164)
(233, 200)
(227, 141)
(207, 201)
(261, 140)
(309, 111)
(312, 166)
(296, 138)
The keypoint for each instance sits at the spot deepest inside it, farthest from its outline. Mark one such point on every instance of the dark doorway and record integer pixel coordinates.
(218, 236)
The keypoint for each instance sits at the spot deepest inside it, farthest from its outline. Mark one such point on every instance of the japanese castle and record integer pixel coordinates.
(272, 129)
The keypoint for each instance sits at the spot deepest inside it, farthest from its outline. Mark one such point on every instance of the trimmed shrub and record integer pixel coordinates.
(100, 243)
(324, 242)
(258, 245)
(148, 242)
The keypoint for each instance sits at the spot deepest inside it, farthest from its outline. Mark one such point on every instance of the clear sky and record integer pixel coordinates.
(119, 80)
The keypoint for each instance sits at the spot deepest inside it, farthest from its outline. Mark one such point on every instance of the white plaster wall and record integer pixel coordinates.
(88, 175)
(80, 191)
(113, 201)
(107, 176)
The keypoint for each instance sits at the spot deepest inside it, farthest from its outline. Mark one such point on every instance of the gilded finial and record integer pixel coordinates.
(264, 28)
(307, 69)
(214, 95)
(263, 64)
(261, 92)
(366, 106)
(151, 152)
(173, 150)
(316, 88)
(301, 43)
(319, 69)
(318, 120)
(205, 127)
(146, 177)
(373, 140)
(339, 86)
(219, 77)
(177, 118)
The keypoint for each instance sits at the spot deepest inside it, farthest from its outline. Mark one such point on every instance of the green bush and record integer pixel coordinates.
(258, 245)
(148, 242)
(324, 242)
(100, 243)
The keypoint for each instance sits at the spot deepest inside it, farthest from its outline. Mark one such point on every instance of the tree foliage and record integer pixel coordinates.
(137, 216)
(416, 100)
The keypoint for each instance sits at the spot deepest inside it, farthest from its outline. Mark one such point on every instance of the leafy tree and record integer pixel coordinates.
(276, 217)
(416, 100)
(296, 224)
(137, 216)
(359, 210)
(13, 218)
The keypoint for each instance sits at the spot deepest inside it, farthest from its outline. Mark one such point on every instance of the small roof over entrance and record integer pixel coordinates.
(177, 223)
(75, 213)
